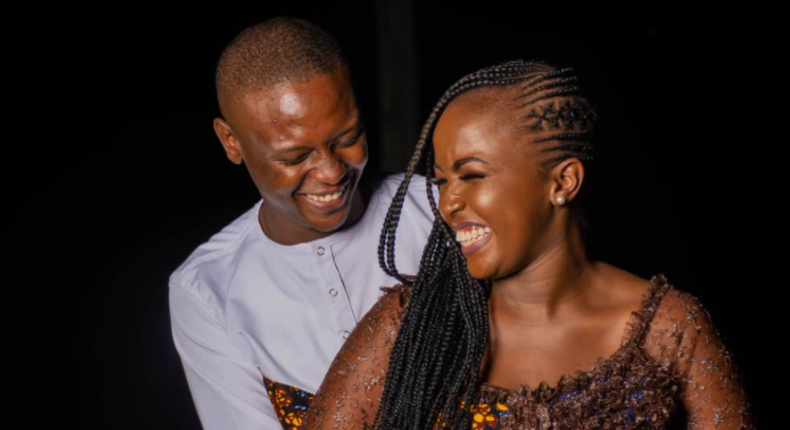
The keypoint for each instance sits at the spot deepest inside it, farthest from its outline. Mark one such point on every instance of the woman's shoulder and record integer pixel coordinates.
(659, 302)
(657, 310)
(679, 326)
(395, 297)
(677, 304)
(379, 327)
(644, 294)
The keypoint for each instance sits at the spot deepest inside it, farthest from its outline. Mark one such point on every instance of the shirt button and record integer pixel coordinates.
(320, 250)
(345, 334)
(332, 292)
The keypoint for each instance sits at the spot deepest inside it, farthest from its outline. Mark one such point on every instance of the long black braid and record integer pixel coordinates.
(435, 361)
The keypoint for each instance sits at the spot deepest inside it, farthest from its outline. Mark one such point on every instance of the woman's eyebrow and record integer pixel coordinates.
(460, 162)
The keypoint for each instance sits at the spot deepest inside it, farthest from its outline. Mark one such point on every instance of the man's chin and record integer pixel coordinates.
(331, 223)
(337, 219)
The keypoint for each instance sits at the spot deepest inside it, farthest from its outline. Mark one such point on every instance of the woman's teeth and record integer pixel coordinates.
(326, 198)
(470, 236)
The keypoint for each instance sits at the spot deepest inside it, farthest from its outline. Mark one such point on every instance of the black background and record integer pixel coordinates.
(138, 179)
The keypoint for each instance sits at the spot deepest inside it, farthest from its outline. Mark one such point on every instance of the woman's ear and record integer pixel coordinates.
(567, 178)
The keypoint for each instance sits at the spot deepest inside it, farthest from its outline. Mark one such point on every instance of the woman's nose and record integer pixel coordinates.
(451, 205)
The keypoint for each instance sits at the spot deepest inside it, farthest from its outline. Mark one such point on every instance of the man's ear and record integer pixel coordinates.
(229, 142)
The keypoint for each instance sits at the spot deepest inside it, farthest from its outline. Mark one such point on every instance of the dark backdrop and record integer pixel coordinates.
(138, 178)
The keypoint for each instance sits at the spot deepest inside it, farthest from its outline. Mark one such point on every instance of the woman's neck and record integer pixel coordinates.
(546, 291)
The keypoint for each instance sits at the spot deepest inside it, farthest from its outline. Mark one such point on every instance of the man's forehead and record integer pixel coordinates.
(278, 133)
(288, 101)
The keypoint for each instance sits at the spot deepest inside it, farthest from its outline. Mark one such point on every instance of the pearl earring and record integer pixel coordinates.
(560, 200)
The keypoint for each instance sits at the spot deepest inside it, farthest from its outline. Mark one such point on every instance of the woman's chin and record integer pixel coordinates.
(480, 272)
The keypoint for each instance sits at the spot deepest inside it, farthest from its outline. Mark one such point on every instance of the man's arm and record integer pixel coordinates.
(227, 389)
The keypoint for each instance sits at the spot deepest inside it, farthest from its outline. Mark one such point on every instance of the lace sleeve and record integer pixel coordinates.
(683, 337)
(351, 391)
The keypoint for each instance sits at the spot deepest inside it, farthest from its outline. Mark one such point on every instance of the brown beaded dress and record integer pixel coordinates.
(672, 370)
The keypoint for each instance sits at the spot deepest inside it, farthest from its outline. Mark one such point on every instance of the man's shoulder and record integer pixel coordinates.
(416, 212)
(211, 258)
(417, 181)
(390, 183)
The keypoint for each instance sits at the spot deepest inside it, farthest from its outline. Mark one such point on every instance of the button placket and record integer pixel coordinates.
(333, 286)
(341, 300)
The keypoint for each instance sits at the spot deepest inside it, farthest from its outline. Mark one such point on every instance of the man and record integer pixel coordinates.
(260, 310)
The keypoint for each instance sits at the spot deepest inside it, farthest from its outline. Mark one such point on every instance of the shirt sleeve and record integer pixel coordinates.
(350, 394)
(711, 389)
(227, 388)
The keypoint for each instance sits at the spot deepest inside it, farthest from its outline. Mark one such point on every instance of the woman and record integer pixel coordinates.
(508, 313)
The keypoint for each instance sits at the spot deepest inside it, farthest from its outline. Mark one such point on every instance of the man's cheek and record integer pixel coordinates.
(362, 159)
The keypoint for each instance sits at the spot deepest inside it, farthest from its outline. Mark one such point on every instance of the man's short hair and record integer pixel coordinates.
(281, 49)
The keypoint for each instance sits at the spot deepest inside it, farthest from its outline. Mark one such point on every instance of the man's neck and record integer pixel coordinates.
(286, 232)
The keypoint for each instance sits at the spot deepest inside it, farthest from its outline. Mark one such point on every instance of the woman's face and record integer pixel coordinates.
(489, 190)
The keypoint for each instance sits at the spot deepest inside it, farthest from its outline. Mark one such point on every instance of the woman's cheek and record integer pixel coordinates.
(487, 201)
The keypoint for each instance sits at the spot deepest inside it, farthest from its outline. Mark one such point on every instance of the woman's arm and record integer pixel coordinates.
(350, 394)
(711, 390)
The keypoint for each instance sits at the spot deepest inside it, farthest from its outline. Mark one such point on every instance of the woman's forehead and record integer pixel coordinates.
(472, 126)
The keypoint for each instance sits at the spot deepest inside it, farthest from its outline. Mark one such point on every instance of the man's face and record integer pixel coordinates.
(305, 147)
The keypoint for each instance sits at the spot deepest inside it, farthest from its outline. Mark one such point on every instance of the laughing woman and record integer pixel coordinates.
(509, 324)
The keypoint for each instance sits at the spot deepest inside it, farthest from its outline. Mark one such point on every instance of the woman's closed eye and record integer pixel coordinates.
(440, 181)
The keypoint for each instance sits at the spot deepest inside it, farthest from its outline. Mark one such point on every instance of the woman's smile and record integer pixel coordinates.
(473, 237)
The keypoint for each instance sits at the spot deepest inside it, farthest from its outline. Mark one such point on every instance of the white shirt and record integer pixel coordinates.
(242, 305)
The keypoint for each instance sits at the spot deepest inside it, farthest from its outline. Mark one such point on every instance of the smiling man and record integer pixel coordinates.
(259, 311)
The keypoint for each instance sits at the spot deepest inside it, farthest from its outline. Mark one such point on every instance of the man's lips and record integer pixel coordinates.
(327, 192)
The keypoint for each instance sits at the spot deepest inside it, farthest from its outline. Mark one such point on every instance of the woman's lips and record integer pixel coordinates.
(477, 244)
(471, 235)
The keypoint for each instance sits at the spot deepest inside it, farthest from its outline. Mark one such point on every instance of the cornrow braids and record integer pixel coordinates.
(435, 361)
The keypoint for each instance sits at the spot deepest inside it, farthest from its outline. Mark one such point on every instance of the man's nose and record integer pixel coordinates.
(331, 169)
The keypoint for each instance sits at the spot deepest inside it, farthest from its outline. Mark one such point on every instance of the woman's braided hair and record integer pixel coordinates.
(435, 361)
